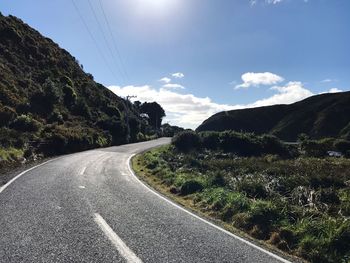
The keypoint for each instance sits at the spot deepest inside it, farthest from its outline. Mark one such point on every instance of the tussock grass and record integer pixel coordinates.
(298, 205)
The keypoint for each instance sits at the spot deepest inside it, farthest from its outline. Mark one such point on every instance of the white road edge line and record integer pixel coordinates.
(2, 188)
(202, 219)
(122, 248)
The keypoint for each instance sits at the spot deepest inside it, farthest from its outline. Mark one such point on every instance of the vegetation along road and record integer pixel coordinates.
(89, 207)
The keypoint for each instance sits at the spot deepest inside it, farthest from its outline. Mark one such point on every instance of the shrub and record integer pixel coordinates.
(51, 91)
(210, 140)
(245, 144)
(140, 137)
(70, 96)
(26, 123)
(56, 116)
(81, 108)
(272, 145)
(190, 187)
(216, 179)
(186, 141)
(342, 146)
(253, 187)
(7, 114)
(116, 128)
(264, 213)
(314, 148)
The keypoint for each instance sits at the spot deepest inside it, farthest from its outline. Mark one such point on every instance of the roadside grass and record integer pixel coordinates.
(8, 155)
(300, 206)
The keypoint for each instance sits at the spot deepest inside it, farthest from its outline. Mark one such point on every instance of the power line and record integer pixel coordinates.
(114, 41)
(93, 38)
(104, 37)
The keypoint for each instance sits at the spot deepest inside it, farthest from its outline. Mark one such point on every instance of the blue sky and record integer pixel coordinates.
(230, 53)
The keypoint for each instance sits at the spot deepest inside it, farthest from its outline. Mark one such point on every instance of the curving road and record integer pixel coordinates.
(88, 207)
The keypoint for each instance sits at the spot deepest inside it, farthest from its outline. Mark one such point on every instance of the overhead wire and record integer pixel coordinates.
(93, 39)
(114, 41)
(105, 39)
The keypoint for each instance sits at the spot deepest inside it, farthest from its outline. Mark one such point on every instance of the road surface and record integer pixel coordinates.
(88, 207)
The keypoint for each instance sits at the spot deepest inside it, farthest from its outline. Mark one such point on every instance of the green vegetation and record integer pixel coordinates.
(325, 115)
(274, 192)
(50, 106)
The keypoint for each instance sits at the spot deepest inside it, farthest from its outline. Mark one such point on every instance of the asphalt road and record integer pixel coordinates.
(88, 207)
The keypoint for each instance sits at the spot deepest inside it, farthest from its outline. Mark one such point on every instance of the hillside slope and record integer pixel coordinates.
(325, 115)
(49, 105)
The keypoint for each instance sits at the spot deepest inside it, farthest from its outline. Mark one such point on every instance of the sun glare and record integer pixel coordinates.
(155, 7)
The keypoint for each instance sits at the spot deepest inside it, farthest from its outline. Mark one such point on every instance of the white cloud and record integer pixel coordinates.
(334, 90)
(255, 79)
(185, 110)
(290, 93)
(178, 75)
(173, 86)
(165, 80)
(189, 111)
(273, 1)
(328, 80)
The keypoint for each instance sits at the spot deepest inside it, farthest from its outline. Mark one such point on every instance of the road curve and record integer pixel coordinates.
(88, 207)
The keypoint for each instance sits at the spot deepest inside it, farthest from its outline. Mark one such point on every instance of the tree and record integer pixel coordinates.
(155, 113)
(137, 104)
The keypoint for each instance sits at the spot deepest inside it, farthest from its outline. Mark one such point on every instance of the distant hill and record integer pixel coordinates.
(49, 105)
(325, 115)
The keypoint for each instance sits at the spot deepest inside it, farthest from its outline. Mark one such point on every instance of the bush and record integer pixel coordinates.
(82, 109)
(56, 116)
(26, 123)
(272, 145)
(210, 140)
(244, 144)
(190, 187)
(253, 187)
(7, 114)
(264, 214)
(70, 96)
(186, 141)
(314, 148)
(342, 146)
(116, 128)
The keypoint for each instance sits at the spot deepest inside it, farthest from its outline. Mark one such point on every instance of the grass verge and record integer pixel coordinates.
(147, 167)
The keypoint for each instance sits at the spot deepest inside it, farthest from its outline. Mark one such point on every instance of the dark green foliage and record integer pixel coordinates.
(210, 140)
(326, 115)
(252, 187)
(115, 127)
(170, 130)
(342, 146)
(25, 123)
(155, 113)
(7, 114)
(317, 148)
(190, 187)
(186, 141)
(49, 105)
(242, 144)
(70, 96)
(300, 205)
(82, 109)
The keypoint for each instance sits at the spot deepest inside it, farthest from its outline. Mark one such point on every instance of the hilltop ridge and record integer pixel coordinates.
(325, 115)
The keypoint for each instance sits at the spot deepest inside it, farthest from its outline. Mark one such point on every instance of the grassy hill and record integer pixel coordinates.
(325, 115)
(49, 105)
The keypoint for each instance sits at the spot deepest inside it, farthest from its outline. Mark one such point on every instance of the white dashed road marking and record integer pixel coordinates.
(122, 248)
